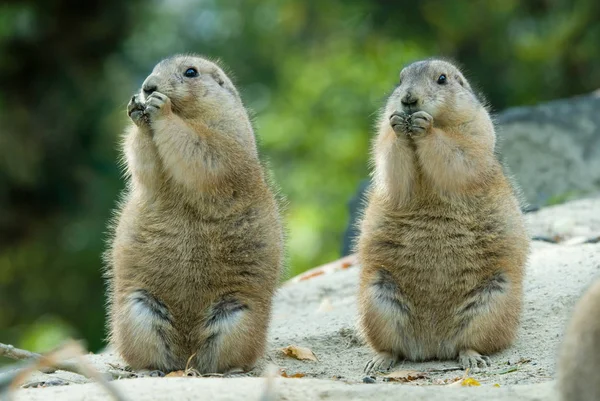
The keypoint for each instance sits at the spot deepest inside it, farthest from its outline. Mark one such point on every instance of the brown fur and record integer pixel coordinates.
(442, 244)
(579, 362)
(197, 248)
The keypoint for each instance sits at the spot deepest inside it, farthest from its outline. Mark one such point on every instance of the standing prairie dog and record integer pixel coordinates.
(198, 245)
(443, 245)
(579, 362)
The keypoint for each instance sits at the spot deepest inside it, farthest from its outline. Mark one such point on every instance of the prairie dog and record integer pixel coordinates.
(198, 245)
(579, 362)
(443, 244)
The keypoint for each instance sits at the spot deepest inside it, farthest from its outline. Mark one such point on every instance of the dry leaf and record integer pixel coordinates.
(301, 353)
(404, 376)
(294, 376)
(469, 382)
(311, 275)
(465, 382)
(176, 373)
(185, 373)
(445, 382)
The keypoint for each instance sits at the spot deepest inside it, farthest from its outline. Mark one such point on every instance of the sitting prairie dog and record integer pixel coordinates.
(198, 244)
(443, 245)
(579, 362)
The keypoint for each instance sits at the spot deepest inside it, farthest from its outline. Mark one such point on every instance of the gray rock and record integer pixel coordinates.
(553, 149)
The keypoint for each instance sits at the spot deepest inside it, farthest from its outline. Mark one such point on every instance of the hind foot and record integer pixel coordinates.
(473, 360)
(381, 361)
(150, 373)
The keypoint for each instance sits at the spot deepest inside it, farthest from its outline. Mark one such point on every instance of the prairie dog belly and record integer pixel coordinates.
(434, 279)
(176, 257)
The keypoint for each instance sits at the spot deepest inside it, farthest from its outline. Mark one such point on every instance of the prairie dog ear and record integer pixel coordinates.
(217, 77)
(463, 82)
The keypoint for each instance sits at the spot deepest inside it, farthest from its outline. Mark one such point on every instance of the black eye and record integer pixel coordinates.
(191, 73)
(442, 79)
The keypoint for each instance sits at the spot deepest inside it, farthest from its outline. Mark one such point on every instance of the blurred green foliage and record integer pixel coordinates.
(314, 73)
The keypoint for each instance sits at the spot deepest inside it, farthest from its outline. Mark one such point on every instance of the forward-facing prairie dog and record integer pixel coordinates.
(197, 248)
(443, 245)
(579, 362)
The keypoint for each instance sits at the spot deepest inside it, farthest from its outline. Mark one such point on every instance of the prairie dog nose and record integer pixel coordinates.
(150, 85)
(409, 99)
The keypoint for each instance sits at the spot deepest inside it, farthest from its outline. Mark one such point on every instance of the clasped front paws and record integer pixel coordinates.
(142, 113)
(157, 105)
(411, 125)
(135, 111)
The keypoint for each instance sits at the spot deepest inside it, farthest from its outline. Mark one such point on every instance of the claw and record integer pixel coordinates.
(380, 360)
(473, 360)
(369, 366)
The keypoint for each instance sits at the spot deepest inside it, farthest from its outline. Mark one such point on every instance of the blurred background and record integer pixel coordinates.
(314, 74)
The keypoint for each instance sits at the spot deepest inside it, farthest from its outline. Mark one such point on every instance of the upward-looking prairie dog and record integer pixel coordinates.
(579, 363)
(198, 245)
(443, 245)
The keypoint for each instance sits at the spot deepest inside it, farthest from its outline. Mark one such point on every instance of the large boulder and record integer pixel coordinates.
(553, 149)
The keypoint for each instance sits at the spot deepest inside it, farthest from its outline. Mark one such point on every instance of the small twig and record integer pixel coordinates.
(50, 362)
(11, 352)
(442, 370)
(89, 371)
(269, 393)
(121, 374)
(187, 365)
(507, 370)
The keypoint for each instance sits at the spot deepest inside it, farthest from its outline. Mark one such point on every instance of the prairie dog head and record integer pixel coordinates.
(437, 88)
(196, 87)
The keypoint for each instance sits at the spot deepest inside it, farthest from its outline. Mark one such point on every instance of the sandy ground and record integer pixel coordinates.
(318, 311)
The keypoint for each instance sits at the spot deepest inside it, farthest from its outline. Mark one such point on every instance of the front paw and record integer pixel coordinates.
(420, 123)
(399, 123)
(135, 111)
(157, 105)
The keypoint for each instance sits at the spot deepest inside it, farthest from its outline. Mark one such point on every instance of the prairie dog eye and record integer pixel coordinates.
(191, 73)
(442, 79)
